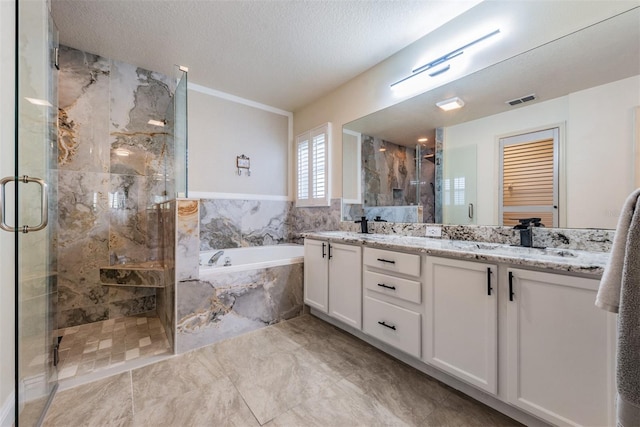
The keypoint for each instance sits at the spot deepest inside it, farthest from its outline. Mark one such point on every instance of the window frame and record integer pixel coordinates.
(308, 138)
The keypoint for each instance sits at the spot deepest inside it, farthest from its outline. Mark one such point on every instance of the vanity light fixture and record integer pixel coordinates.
(443, 59)
(451, 104)
(423, 139)
(157, 123)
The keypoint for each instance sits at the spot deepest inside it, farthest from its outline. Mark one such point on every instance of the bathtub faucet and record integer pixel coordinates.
(215, 257)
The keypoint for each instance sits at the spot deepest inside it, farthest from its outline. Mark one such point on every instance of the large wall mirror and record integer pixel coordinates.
(569, 155)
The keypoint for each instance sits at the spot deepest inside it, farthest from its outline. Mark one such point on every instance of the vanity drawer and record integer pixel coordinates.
(408, 290)
(396, 262)
(393, 325)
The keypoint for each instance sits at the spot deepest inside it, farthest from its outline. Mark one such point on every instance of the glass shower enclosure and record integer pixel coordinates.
(29, 211)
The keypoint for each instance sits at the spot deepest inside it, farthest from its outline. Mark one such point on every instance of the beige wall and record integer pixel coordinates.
(221, 129)
(370, 91)
(598, 125)
(7, 297)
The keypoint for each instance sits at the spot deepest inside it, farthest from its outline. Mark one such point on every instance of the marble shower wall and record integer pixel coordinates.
(388, 177)
(111, 174)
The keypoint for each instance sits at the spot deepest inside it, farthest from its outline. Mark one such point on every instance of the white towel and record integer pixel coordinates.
(619, 292)
(611, 283)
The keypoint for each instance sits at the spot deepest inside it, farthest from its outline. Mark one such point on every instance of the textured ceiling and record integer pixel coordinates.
(281, 53)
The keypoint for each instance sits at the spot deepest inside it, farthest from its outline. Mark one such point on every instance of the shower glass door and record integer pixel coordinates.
(35, 211)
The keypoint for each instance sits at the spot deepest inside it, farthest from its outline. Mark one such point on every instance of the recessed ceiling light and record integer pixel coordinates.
(42, 102)
(451, 104)
(156, 123)
(423, 139)
(123, 152)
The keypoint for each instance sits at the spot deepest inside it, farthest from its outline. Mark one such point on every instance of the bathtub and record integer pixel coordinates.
(262, 286)
(251, 258)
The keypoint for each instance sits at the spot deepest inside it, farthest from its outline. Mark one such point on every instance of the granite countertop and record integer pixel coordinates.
(567, 260)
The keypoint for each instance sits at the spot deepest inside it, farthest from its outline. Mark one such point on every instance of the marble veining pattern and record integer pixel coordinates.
(187, 239)
(240, 223)
(569, 260)
(223, 305)
(388, 173)
(109, 160)
(228, 223)
(593, 240)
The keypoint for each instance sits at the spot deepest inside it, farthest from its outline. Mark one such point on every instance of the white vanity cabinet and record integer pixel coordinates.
(392, 309)
(461, 321)
(561, 349)
(333, 280)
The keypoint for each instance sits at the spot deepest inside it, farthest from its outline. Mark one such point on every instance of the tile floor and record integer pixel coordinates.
(302, 372)
(97, 346)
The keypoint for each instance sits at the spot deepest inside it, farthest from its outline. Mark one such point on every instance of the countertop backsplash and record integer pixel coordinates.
(595, 240)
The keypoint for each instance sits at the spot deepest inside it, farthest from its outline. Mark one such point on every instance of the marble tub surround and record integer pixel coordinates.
(230, 223)
(299, 372)
(166, 296)
(323, 218)
(187, 256)
(222, 305)
(111, 173)
(567, 260)
(593, 240)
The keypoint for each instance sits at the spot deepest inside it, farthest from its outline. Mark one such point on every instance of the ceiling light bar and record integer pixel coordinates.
(451, 104)
(444, 58)
(449, 56)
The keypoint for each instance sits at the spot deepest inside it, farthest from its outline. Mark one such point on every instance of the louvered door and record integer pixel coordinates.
(529, 177)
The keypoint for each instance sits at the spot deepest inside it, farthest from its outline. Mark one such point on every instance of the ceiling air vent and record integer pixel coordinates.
(522, 100)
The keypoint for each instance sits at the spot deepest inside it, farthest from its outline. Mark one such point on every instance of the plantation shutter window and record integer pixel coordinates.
(312, 179)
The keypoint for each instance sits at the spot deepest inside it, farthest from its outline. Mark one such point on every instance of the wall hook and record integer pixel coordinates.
(243, 162)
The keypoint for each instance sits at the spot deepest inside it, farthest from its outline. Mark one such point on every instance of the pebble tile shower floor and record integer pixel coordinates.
(96, 346)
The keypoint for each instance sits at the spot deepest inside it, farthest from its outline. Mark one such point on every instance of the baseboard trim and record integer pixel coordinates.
(7, 411)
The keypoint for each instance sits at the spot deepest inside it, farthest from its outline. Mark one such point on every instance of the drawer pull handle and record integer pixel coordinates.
(387, 326)
(489, 288)
(386, 260)
(382, 285)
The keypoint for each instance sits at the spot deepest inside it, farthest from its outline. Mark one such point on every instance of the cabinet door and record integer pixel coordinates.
(345, 284)
(462, 320)
(561, 349)
(316, 274)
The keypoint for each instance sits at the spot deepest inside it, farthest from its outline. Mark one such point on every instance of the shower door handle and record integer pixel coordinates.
(470, 210)
(44, 204)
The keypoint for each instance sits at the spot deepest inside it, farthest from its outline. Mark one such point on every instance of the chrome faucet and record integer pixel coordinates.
(215, 257)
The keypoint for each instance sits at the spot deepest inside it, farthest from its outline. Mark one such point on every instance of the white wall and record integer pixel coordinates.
(370, 91)
(222, 127)
(598, 151)
(7, 297)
